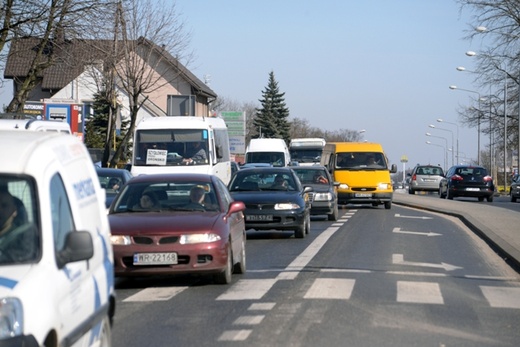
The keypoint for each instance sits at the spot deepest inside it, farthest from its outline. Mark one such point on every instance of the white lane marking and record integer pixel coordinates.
(337, 224)
(507, 297)
(306, 256)
(357, 271)
(419, 292)
(155, 294)
(412, 217)
(262, 306)
(330, 288)
(249, 320)
(248, 290)
(234, 335)
(399, 259)
(399, 231)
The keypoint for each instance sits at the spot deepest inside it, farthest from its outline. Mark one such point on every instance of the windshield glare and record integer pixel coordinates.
(361, 161)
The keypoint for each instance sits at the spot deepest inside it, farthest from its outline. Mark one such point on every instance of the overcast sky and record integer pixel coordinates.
(378, 65)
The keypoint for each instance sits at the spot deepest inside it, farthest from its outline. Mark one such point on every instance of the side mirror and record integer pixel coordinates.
(393, 169)
(78, 246)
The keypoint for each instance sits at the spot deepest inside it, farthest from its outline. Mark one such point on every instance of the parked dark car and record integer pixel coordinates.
(514, 189)
(425, 178)
(467, 181)
(167, 224)
(324, 198)
(274, 199)
(112, 180)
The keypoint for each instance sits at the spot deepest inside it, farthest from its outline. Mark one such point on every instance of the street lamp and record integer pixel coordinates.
(445, 153)
(452, 142)
(446, 148)
(478, 124)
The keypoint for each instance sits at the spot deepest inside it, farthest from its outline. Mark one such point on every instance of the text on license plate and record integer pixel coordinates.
(259, 217)
(155, 258)
(363, 195)
(472, 189)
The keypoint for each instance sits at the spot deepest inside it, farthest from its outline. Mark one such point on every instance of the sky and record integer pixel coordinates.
(375, 65)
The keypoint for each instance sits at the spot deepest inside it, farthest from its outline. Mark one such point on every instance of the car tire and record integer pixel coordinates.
(224, 277)
(334, 215)
(489, 198)
(449, 195)
(240, 267)
(441, 195)
(480, 198)
(308, 227)
(411, 191)
(513, 199)
(388, 205)
(299, 232)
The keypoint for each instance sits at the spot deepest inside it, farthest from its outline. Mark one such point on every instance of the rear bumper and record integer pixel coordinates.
(355, 198)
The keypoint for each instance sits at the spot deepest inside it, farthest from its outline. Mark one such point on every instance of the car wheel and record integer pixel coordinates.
(449, 195)
(225, 276)
(299, 233)
(480, 198)
(388, 205)
(489, 198)
(308, 228)
(513, 199)
(334, 215)
(411, 191)
(441, 195)
(240, 267)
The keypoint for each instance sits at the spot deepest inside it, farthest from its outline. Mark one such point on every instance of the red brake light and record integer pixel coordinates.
(414, 177)
(456, 178)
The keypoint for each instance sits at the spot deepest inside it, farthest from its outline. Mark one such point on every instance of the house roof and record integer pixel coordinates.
(71, 57)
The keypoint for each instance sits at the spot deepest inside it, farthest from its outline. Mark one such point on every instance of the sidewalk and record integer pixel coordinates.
(499, 227)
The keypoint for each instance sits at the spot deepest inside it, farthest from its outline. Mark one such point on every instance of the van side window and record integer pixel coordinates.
(62, 220)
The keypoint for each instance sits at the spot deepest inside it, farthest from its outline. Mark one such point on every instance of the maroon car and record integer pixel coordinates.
(168, 224)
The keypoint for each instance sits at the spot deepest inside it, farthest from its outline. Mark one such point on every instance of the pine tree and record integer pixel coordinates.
(271, 119)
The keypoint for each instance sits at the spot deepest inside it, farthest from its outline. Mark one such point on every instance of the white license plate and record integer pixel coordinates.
(259, 217)
(363, 195)
(155, 258)
(472, 189)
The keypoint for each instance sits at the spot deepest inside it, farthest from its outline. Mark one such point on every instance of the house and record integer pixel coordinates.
(71, 79)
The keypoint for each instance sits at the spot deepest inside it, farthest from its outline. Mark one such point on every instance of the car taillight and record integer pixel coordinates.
(414, 177)
(487, 178)
(456, 178)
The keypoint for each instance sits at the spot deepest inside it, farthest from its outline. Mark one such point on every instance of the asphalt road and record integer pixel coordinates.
(377, 277)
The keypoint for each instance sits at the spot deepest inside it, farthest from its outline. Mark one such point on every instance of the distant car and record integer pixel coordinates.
(250, 165)
(177, 235)
(514, 190)
(425, 178)
(112, 180)
(467, 181)
(271, 205)
(324, 198)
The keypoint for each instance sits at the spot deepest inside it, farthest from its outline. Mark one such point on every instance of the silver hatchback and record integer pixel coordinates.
(425, 178)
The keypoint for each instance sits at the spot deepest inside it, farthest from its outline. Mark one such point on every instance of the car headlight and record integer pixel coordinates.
(286, 206)
(11, 318)
(343, 186)
(123, 240)
(323, 196)
(383, 186)
(191, 239)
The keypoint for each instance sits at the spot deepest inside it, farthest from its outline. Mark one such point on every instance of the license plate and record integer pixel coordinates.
(259, 217)
(155, 258)
(363, 195)
(429, 180)
(473, 189)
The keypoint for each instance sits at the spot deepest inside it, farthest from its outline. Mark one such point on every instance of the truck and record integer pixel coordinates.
(163, 145)
(363, 171)
(270, 151)
(306, 151)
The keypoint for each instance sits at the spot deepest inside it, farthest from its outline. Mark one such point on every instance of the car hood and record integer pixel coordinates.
(267, 197)
(162, 222)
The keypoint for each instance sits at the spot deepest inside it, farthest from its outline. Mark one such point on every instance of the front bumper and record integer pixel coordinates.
(364, 198)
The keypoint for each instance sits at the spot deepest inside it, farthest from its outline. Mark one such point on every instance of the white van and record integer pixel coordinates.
(35, 125)
(271, 151)
(56, 261)
(163, 145)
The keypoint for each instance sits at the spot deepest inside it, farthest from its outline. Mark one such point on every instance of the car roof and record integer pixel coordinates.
(309, 168)
(172, 177)
(271, 169)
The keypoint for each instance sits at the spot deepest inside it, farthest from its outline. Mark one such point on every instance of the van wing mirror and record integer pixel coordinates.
(393, 169)
(78, 246)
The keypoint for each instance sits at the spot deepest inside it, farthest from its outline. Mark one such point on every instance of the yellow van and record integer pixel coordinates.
(362, 170)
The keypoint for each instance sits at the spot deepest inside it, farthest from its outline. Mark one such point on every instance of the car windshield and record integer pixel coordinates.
(311, 176)
(361, 161)
(429, 170)
(268, 181)
(156, 197)
(471, 171)
(19, 221)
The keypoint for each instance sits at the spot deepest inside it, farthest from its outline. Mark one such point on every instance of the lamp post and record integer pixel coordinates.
(478, 124)
(445, 153)
(452, 143)
(446, 148)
